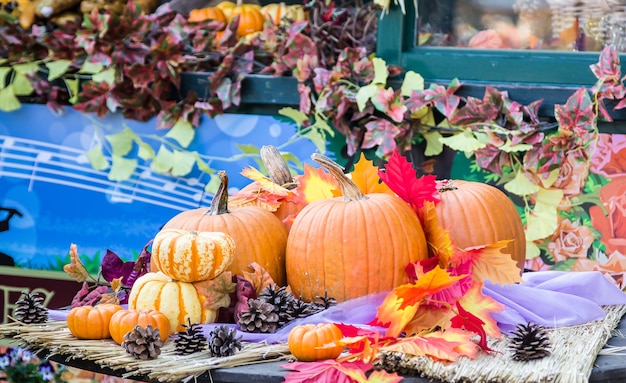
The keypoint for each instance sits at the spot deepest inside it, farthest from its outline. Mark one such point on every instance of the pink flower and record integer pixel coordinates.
(609, 155)
(536, 264)
(573, 173)
(612, 224)
(570, 240)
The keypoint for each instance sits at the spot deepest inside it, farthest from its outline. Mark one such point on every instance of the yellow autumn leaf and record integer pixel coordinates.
(75, 269)
(532, 250)
(463, 142)
(507, 147)
(265, 182)
(521, 185)
(491, 262)
(316, 184)
(551, 178)
(365, 176)
(543, 219)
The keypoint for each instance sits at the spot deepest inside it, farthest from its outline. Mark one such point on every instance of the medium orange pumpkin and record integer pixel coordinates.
(179, 301)
(124, 321)
(259, 235)
(208, 13)
(353, 245)
(305, 341)
(479, 214)
(91, 322)
(191, 256)
(250, 18)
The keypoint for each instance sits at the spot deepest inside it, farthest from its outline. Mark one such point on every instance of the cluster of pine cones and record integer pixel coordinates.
(277, 306)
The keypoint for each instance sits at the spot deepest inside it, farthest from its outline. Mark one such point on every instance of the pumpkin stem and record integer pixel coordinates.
(349, 189)
(219, 204)
(277, 167)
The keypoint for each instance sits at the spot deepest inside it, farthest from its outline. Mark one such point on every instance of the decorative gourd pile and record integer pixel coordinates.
(179, 259)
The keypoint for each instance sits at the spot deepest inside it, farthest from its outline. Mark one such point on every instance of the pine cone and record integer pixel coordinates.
(259, 317)
(281, 299)
(191, 340)
(301, 309)
(143, 343)
(529, 341)
(223, 341)
(30, 309)
(326, 301)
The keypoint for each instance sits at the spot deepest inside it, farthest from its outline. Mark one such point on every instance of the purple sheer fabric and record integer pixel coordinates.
(549, 298)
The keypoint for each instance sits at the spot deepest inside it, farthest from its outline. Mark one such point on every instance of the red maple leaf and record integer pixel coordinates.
(470, 322)
(400, 176)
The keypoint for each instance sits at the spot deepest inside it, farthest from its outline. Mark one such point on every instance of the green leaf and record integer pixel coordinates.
(543, 220)
(294, 114)
(182, 132)
(26, 68)
(380, 71)
(21, 85)
(107, 75)
(183, 163)
(8, 101)
(317, 137)
(72, 87)
(57, 68)
(122, 168)
(96, 158)
(4, 71)
(412, 81)
(213, 185)
(521, 185)
(163, 160)
(364, 94)
(145, 151)
(291, 158)
(463, 142)
(90, 68)
(507, 147)
(249, 148)
(434, 146)
(121, 142)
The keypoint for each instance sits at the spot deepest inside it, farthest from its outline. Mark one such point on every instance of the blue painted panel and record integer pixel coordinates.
(45, 176)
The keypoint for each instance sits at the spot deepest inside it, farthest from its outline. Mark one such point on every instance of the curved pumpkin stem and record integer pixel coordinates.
(349, 189)
(277, 168)
(219, 204)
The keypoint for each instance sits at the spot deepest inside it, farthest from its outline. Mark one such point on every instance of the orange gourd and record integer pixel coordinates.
(250, 18)
(209, 13)
(259, 236)
(353, 245)
(479, 214)
(124, 321)
(191, 256)
(179, 301)
(91, 322)
(305, 341)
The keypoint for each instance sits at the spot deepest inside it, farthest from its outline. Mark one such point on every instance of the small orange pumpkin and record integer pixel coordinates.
(477, 214)
(191, 256)
(250, 18)
(306, 341)
(124, 321)
(278, 13)
(91, 322)
(209, 13)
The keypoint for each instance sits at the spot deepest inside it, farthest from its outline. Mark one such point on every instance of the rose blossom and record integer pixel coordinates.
(570, 240)
(573, 173)
(612, 226)
(609, 155)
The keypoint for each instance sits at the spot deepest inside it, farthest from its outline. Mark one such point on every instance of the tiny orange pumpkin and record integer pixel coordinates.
(124, 321)
(91, 322)
(311, 342)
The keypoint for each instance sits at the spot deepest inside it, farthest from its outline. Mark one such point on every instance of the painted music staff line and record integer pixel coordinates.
(40, 161)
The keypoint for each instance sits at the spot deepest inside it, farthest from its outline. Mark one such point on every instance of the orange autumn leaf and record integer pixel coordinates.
(434, 346)
(489, 262)
(75, 269)
(316, 184)
(377, 376)
(215, 293)
(365, 346)
(259, 277)
(428, 317)
(482, 306)
(391, 315)
(365, 176)
(438, 238)
(466, 346)
(264, 182)
(263, 192)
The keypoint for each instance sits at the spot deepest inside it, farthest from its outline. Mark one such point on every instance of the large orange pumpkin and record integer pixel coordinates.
(259, 235)
(191, 256)
(124, 321)
(353, 245)
(479, 214)
(179, 301)
(91, 322)
(306, 341)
